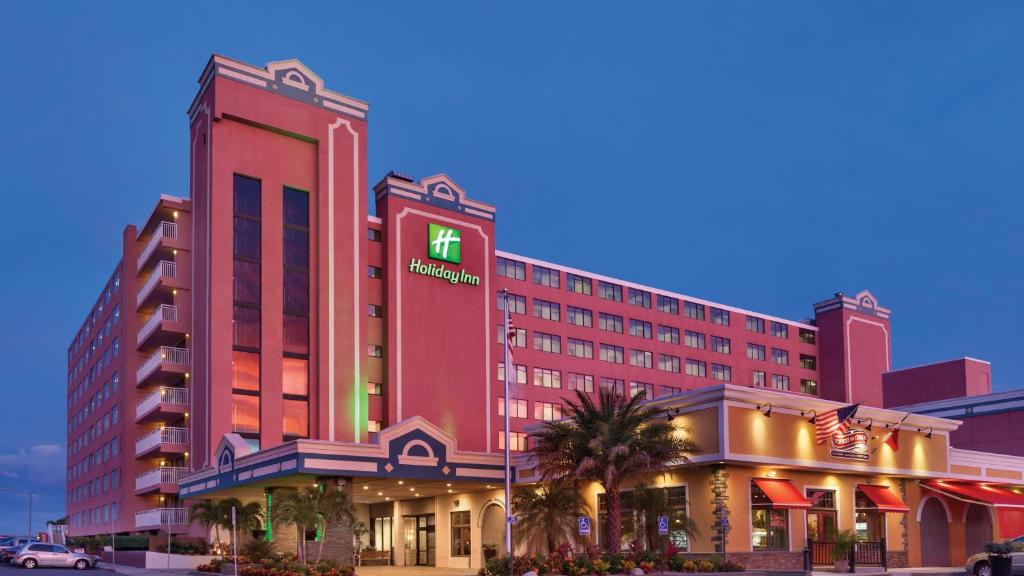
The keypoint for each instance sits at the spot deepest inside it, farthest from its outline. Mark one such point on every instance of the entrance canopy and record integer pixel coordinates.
(883, 498)
(977, 492)
(782, 493)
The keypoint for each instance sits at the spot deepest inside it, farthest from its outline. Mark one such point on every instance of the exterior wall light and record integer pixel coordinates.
(814, 416)
(767, 413)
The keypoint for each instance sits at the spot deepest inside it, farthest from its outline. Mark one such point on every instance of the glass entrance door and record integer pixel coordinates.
(420, 540)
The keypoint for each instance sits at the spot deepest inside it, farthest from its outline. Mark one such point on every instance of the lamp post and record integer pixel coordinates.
(29, 494)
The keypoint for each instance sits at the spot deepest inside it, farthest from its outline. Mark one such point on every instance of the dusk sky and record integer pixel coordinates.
(759, 154)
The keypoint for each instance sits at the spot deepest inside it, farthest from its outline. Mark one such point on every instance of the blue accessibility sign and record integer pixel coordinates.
(584, 526)
(662, 525)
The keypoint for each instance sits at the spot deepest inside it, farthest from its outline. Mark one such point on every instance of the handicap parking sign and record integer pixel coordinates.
(662, 524)
(584, 526)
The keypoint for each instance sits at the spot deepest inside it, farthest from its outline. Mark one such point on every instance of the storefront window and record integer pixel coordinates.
(769, 526)
(461, 542)
(625, 519)
(869, 522)
(633, 521)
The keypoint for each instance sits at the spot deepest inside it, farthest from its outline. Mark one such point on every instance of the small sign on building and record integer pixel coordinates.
(584, 525)
(662, 525)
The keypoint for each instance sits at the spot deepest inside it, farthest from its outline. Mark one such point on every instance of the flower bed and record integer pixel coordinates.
(564, 561)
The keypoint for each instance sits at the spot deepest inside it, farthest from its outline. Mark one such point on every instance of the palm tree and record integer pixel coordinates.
(649, 503)
(248, 517)
(333, 506)
(609, 442)
(299, 508)
(548, 515)
(208, 514)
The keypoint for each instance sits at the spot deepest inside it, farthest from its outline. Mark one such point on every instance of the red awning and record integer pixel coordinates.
(979, 492)
(883, 498)
(782, 493)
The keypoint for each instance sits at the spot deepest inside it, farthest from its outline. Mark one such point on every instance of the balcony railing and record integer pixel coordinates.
(163, 355)
(158, 476)
(162, 395)
(165, 435)
(163, 313)
(165, 269)
(157, 517)
(168, 230)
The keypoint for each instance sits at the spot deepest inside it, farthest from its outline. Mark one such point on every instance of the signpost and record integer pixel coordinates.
(234, 539)
(584, 525)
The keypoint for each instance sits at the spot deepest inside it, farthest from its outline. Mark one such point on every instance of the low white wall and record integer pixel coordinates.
(177, 561)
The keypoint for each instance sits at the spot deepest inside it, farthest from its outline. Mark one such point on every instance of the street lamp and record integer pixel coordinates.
(29, 494)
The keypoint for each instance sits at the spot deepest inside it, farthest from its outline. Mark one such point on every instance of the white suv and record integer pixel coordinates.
(42, 554)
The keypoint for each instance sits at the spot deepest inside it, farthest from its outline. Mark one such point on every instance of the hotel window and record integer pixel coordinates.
(694, 339)
(547, 342)
(780, 330)
(517, 304)
(516, 408)
(669, 390)
(668, 304)
(375, 310)
(769, 526)
(547, 411)
(520, 373)
(577, 284)
(374, 235)
(809, 386)
(580, 348)
(721, 372)
(640, 329)
(545, 276)
(780, 356)
(518, 336)
(581, 382)
(719, 316)
(755, 351)
(780, 382)
(640, 298)
(616, 386)
(668, 334)
(821, 518)
(755, 324)
(696, 368)
(612, 353)
(668, 363)
(635, 388)
(547, 310)
(461, 529)
(516, 441)
(245, 397)
(295, 321)
(374, 272)
(374, 388)
(547, 378)
(375, 351)
(610, 322)
(808, 336)
(641, 359)
(693, 310)
(808, 362)
(579, 316)
(609, 291)
(511, 268)
(720, 345)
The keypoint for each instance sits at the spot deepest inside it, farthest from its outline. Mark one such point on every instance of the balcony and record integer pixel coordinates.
(156, 282)
(166, 363)
(161, 518)
(161, 327)
(164, 231)
(163, 440)
(164, 403)
(163, 479)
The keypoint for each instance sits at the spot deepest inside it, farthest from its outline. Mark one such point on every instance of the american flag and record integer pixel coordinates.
(510, 339)
(834, 421)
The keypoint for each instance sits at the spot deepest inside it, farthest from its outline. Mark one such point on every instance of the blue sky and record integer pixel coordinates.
(762, 154)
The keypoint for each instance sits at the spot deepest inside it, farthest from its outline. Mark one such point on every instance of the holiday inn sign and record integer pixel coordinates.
(444, 244)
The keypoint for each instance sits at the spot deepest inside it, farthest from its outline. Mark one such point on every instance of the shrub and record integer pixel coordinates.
(258, 550)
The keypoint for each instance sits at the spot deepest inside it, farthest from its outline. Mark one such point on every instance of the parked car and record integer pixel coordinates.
(10, 545)
(979, 566)
(36, 554)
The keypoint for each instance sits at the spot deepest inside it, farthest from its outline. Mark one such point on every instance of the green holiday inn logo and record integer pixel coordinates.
(444, 243)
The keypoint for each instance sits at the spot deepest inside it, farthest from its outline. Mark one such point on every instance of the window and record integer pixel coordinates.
(720, 345)
(518, 336)
(694, 339)
(375, 310)
(246, 332)
(610, 322)
(295, 418)
(668, 304)
(581, 382)
(669, 390)
(780, 382)
(637, 388)
(808, 362)
(517, 441)
(294, 376)
(616, 386)
(374, 235)
(376, 351)
(693, 310)
(374, 272)
(755, 324)
(639, 328)
(721, 372)
(641, 359)
(547, 378)
(821, 518)
(612, 353)
(580, 348)
(809, 386)
(547, 342)
(577, 284)
(516, 408)
(245, 370)
(755, 351)
(245, 414)
(780, 356)
(579, 316)
(668, 334)
(668, 363)
(696, 368)
(545, 276)
(868, 522)
(632, 520)
(520, 373)
(517, 304)
(640, 298)
(547, 310)
(808, 336)
(547, 411)
(609, 291)
(374, 388)
(719, 316)
(769, 527)
(511, 268)
(780, 330)
(461, 528)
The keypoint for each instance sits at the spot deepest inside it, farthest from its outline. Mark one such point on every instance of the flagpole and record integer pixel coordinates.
(508, 472)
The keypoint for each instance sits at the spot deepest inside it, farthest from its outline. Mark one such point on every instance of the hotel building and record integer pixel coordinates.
(268, 332)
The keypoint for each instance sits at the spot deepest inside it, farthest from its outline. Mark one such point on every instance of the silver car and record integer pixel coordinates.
(36, 554)
(979, 566)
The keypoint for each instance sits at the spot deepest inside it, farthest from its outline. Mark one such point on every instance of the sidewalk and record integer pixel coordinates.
(136, 571)
(877, 571)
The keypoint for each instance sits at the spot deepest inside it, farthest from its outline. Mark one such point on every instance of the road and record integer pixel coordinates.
(8, 570)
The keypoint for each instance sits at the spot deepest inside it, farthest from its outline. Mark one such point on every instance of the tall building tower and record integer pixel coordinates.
(855, 347)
